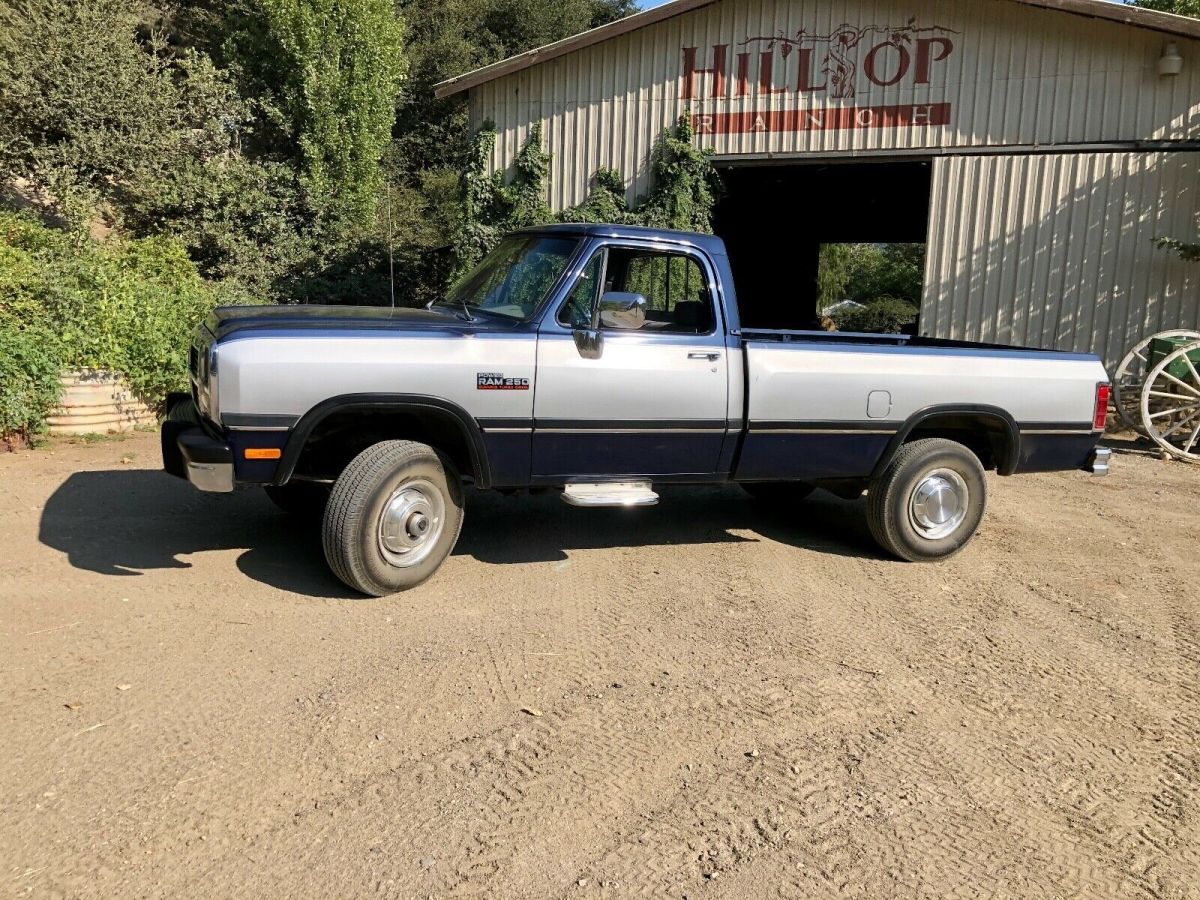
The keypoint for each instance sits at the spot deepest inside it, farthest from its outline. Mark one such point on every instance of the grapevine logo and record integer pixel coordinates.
(811, 69)
(496, 381)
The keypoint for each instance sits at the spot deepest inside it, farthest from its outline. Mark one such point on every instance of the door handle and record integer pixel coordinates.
(711, 357)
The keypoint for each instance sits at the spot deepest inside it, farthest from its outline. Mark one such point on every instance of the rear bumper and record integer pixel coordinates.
(1098, 464)
(190, 451)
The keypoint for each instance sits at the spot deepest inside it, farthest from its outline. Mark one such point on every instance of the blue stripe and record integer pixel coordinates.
(392, 333)
(581, 455)
(773, 457)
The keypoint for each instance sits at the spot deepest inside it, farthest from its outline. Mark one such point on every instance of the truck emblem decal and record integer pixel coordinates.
(497, 381)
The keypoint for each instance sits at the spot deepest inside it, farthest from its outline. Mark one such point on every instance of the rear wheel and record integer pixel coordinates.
(929, 500)
(394, 515)
(300, 498)
(778, 493)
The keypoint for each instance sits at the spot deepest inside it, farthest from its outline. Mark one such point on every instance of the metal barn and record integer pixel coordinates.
(1037, 147)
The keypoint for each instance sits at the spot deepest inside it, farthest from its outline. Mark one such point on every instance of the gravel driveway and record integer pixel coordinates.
(703, 699)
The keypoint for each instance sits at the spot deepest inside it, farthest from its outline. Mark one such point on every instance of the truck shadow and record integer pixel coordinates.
(542, 528)
(125, 523)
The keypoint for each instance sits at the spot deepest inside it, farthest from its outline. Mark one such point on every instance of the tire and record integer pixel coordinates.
(424, 496)
(903, 525)
(779, 493)
(300, 498)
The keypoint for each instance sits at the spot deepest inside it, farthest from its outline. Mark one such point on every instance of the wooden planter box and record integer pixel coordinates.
(98, 402)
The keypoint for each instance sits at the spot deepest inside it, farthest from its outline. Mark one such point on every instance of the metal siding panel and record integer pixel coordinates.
(1018, 77)
(1059, 254)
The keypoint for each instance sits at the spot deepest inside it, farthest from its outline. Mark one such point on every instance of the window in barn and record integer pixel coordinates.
(872, 288)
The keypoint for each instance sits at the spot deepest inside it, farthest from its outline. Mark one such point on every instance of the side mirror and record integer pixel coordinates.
(622, 310)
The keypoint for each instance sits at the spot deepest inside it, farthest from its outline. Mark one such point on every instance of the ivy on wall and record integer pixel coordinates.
(683, 195)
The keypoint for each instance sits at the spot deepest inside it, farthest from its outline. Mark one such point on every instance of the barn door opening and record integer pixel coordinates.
(803, 238)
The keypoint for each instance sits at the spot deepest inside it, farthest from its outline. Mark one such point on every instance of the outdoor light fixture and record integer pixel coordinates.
(1170, 63)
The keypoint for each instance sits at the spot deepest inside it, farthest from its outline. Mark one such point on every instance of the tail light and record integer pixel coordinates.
(1103, 393)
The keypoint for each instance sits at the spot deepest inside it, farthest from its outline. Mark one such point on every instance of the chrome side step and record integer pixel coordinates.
(624, 493)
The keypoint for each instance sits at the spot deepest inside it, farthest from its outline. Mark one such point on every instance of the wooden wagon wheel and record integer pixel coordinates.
(1130, 376)
(1170, 404)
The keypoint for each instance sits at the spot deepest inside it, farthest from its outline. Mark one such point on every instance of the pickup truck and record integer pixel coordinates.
(600, 361)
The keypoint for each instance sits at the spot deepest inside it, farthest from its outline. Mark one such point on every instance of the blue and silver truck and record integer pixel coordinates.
(601, 361)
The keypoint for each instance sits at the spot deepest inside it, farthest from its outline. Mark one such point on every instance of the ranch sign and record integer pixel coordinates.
(810, 69)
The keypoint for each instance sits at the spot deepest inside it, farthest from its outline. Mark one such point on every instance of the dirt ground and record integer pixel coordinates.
(701, 699)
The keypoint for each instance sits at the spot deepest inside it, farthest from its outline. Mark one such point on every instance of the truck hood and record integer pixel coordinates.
(227, 320)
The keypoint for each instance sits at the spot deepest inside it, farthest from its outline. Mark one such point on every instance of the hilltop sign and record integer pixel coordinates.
(813, 68)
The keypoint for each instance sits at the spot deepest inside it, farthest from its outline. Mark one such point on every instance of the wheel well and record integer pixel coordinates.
(989, 437)
(342, 435)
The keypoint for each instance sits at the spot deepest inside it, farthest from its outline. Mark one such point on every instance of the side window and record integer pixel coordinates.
(576, 312)
(676, 291)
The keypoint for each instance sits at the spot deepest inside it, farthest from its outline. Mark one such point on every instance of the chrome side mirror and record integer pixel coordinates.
(622, 311)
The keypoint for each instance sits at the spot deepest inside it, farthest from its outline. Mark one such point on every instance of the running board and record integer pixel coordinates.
(625, 493)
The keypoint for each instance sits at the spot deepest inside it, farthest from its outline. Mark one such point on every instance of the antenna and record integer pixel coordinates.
(391, 261)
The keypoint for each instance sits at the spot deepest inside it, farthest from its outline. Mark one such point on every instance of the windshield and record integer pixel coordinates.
(514, 278)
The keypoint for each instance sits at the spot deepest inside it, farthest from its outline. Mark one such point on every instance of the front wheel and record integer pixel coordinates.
(393, 517)
(929, 500)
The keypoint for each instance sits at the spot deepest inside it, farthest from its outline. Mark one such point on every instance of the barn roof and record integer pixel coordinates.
(1167, 23)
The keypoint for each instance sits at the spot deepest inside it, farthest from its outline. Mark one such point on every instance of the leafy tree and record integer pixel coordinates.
(886, 315)
(94, 110)
(605, 201)
(683, 193)
(885, 279)
(344, 65)
(1179, 7)
(833, 274)
(684, 184)
(447, 38)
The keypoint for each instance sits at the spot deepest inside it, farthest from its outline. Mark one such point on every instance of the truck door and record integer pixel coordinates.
(650, 400)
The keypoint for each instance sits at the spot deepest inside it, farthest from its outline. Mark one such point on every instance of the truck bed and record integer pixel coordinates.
(826, 405)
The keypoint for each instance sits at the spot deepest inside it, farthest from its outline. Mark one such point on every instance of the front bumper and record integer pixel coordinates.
(190, 451)
(1098, 464)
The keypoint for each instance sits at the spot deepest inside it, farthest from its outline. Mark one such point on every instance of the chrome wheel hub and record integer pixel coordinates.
(938, 504)
(411, 523)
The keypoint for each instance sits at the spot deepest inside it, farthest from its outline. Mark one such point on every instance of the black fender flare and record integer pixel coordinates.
(1005, 466)
(419, 403)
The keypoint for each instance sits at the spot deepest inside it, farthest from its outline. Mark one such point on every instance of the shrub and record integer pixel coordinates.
(29, 385)
(886, 315)
(128, 306)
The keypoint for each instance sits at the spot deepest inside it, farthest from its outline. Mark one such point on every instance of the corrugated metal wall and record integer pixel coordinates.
(1056, 250)
(1009, 76)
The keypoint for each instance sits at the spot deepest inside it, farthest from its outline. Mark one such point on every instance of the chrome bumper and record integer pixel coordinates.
(191, 452)
(213, 477)
(1098, 465)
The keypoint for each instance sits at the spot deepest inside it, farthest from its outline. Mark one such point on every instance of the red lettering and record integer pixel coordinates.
(765, 74)
(743, 75)
(806, 70)
(870, 64)
(829, 119)
(925, 58)
(717, 72)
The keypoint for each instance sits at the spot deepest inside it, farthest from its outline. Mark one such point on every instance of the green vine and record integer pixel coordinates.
(683, 195)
